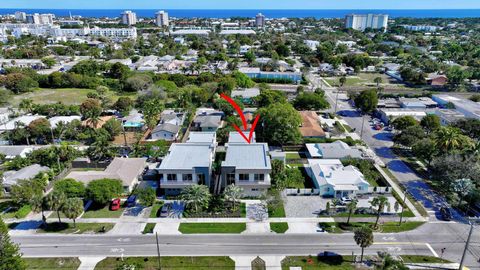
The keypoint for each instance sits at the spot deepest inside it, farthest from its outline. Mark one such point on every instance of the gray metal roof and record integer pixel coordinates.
(166, 127)
(247, 156)
(29, 172)
(186, 156)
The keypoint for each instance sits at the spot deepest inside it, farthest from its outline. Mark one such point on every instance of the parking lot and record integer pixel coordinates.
(311, 206)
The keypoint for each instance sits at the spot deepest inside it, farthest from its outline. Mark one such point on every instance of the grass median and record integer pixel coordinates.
(52, 263)
(193, 228)
(386, 227)
(279, 227)
(336, 262)
(151, 263)
(80, 228)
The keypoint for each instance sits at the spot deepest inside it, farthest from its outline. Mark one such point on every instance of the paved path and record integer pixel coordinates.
(89, 263)
(243, 262)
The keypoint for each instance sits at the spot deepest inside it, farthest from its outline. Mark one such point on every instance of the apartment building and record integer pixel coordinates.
(363, 21)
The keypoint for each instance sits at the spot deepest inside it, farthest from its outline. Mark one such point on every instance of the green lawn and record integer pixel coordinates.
(65, 95)
(149, 228)
(279, 227)
(191, 228)
(155, 208)
(387, 227)
(322, 262)
(169, 263)
(52, 263)
(422, 259)
(81, 228)
(276, 209)
(243, 209)
(293, 156)
(102, 213)
(15, 212)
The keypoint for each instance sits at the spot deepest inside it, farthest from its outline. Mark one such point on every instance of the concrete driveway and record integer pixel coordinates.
(304, 206)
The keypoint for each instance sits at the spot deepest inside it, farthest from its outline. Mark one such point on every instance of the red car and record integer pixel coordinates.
(378, 127)
(115, 204)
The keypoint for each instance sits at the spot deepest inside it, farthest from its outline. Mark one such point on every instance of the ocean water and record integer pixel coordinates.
(272, 13)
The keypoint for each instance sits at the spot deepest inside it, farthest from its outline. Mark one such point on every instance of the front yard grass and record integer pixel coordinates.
(52, 263)
(320, 262)
(276, 209)
(96, 212)
(81, 228)
(293, 156)
(279, 227)
(422, 259)
(155, 209)
(16, 212)
(192, 228)
(170, 263)
(149, 228)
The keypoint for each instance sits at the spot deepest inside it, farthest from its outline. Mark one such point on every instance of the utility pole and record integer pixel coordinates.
(401, 213)
(466, 246)
(158, 252)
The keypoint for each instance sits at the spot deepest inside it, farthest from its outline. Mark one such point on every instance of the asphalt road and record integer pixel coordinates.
(380, 142)
(429, 239)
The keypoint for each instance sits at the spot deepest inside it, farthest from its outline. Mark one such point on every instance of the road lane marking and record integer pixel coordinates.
(432, 250)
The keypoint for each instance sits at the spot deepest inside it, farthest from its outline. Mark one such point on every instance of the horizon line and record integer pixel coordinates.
(476, 8)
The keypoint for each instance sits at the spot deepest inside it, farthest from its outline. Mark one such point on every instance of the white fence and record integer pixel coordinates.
(316, 192)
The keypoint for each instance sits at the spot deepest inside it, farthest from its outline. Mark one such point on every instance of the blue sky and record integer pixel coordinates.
(242, 4)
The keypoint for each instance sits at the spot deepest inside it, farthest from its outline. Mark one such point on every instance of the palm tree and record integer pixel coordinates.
(197, 196)
(93, 121)
(55, 201)
(26, 105)
(380, 202)
(100, 150)
(233, 193)
(342, 81)
(449, 138)
(72, 209)
(38, 204)
(363, 236)
(389, 263)
(378, 81)
(351, 207)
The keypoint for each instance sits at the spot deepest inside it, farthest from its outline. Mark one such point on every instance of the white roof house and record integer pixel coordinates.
(334, 179)
(334, 150)
(11, 178)
(202, 137)
(25, 119)
(235, 137)
(65, 119)
(246, 94)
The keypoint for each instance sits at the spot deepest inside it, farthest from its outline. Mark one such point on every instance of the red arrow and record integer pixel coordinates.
(237, 108)
(244, 121)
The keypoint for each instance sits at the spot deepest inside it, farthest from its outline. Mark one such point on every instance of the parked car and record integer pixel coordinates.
(345, 200)
(378, 127)
(115, 204)
(131, 201)
(165, 210)
(446, 213)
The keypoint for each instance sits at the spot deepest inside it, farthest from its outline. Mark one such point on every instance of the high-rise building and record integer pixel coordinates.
(363, 21)
(36, 18)
(161, 18)
(260, 20)
(129, 17)
(20, 16)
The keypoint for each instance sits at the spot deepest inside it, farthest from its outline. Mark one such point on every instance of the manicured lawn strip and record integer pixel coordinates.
(81, 228)
(387, 227)
(52, 263)
(276, 209)
(21, 212)
(422, 259)
(392, 227)
(243, 209)
(4, 205)
(155, 208)
(102, 213)
(345, 214)
(321, 262)
(149, 228)
(168, 263)
(191, 228)
(293, 156)
(279, 227)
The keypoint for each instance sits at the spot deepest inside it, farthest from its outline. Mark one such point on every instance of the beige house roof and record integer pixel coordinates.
(125, 169)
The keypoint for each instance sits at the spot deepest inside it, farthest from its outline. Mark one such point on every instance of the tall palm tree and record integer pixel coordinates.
(72, 209)
(380, 202)
(26, 105)
(450, 139)
(55, 201)
(93, 121)
(233, 193)
(351, 207)
(197, 196)
(389, 263)
(38, 204)
(378, 81)
(363, 236)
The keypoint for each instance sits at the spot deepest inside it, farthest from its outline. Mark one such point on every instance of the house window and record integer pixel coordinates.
(171, 177)
(187, 177)
(201, 178)
(254, 189)
(244, 177)
(259, 177)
